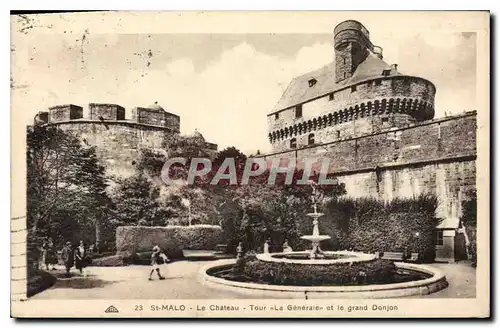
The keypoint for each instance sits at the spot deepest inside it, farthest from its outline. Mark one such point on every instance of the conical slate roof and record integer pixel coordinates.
(299, 91)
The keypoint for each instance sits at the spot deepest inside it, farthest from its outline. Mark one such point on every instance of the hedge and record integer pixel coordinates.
(111, 261)
(38, 281)
(372, 272)
(370, 225)
(171, 239)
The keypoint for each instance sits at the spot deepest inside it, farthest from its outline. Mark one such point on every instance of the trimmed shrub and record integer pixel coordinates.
(370, 225)
(373, 272)
(110, 261)
(38, 281)
(171, 239)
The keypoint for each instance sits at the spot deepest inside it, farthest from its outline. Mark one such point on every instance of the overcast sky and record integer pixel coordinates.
(221, 75)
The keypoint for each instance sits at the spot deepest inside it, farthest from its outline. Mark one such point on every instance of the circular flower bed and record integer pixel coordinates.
(251, 268)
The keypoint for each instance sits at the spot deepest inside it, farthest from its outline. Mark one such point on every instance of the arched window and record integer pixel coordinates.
(293, 143)
(310, 139)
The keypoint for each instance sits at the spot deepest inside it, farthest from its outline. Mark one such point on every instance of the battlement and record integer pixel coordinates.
(154, 115)
(65, 113)
(432, 140)
(106, 112)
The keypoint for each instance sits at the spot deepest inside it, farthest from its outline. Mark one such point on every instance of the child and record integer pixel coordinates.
(157, 258)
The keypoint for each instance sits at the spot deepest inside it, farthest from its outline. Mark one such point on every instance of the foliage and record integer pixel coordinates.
(469, 209)
(171, 239)
(136, 203)
(282, 273)
(109, 261)
(38, 281)
(469, 220)
(66, 188)
(402, 225)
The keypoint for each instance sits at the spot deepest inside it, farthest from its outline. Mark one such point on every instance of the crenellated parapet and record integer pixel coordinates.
(380, 113)
(154, 115)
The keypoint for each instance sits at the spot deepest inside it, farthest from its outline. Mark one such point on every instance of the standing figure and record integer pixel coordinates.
(239, 250)
(80, 257)
(266, 246)
(286, 247)
(50, 255)
(43, 251)
(157, 258)
(68, 256)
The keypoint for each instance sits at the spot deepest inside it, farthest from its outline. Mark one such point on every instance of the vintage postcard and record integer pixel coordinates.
(250, 164)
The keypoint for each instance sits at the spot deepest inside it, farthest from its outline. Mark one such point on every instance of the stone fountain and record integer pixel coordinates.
(315, 238)
(422, 280)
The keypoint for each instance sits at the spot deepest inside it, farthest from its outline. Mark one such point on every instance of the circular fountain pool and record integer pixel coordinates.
(409, 280)
(303, 257)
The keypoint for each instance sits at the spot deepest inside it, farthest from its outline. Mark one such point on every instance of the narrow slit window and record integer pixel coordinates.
(298, 111)
(331, 97)
(293, 143)
(276, 116)
(353, 88)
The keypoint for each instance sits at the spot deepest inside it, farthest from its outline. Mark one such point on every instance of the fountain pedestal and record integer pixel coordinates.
(315, 238)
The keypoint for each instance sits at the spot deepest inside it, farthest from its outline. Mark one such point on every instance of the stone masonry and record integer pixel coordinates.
(119, 141)
(376, 127)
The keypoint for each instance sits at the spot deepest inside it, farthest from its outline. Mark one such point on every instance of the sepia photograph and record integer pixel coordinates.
(249, 164)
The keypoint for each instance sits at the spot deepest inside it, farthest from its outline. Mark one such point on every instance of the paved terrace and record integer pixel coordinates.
(131, 282)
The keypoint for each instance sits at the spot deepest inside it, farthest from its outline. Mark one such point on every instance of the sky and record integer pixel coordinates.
(223, 73)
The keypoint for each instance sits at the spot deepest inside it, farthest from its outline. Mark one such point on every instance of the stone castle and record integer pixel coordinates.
(376, 126)
(119, 141)
(374, 123)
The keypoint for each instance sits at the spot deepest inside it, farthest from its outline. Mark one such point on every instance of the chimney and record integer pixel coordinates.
(394, 67)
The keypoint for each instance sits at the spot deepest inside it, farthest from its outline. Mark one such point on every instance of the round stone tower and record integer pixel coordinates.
(352, 46)
(357, 94)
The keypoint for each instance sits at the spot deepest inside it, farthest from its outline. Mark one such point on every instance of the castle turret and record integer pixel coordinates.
(106, 112)
(65, 113)
(352, 46)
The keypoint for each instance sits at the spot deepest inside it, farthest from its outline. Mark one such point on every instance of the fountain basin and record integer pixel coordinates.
(315, 238)
(337, 257)
(435, 281)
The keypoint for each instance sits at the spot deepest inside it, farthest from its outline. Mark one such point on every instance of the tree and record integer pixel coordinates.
(66, 185)
(136, 202)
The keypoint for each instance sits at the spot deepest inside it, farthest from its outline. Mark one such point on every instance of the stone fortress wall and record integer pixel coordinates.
(376, 127)
(437, 156)
(118, 140)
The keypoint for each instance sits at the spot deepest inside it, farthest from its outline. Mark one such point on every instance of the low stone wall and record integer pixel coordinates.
(395, 290)
(171, 239)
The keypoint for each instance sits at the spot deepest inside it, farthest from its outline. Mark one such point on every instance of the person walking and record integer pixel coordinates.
(49, 255)
(157, 258)
(80, 257)
(68, 256)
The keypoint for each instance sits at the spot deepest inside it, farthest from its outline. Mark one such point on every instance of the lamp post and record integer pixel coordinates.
(417, 235)
(187, 203)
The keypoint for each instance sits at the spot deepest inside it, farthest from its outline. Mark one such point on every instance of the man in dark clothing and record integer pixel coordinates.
(68, 256)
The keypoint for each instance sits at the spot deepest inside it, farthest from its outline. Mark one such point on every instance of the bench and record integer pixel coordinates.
(413, 257)
(198, 254)
(221, 249)
(393, 256)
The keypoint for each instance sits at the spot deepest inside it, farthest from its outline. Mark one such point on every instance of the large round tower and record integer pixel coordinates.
(357, 94)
